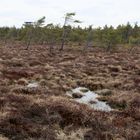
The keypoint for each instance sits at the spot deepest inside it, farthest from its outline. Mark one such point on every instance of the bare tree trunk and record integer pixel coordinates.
(63, 35)
(63, 39)
(62, 45)
(28, 44)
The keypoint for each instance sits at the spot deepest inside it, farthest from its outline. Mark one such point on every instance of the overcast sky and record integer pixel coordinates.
(96, 12)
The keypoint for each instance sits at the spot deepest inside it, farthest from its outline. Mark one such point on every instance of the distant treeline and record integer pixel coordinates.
(52, 34)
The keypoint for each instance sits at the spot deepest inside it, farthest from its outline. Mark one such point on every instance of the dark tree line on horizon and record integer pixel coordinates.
(50, 34)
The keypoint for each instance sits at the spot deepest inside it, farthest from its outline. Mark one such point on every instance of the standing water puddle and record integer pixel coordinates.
(90, 98)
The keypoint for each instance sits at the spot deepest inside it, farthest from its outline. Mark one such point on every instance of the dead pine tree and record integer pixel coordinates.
(68, 19)
(33, 29)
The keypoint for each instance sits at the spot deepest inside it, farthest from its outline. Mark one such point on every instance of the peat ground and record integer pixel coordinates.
(45, 112)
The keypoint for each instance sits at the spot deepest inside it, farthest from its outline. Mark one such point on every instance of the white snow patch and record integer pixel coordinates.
(33, 85)
(90, 98)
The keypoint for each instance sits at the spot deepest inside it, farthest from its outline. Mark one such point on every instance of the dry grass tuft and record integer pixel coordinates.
(17, 73)
(3, 138)
(70, 111)
(71, 135)
(22, 81)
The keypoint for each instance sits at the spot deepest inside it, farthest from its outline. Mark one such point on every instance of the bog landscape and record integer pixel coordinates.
(69, 82)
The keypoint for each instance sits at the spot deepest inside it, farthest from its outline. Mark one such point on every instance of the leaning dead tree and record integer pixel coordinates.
(33, 30)
(68, 19)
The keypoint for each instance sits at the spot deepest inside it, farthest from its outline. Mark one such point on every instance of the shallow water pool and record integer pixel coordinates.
(90, 98)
